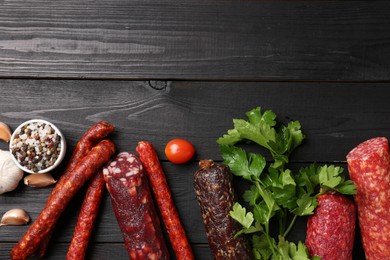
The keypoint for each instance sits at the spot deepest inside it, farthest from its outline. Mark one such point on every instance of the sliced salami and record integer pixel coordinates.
(369, 168)
(134, 208)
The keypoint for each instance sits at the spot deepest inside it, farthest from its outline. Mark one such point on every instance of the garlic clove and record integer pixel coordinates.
(39, 180)
(5, 132)
(15, 217)
(10, 174)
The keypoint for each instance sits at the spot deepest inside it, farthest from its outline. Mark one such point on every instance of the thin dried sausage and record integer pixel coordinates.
(86, 219)
(216, 196)
(331, 230)
(62, 194)
(170, 216)
(134, 209)
(369, 169)
(90, 138)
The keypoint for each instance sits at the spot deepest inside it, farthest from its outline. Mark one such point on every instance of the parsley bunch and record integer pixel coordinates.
(276, 192)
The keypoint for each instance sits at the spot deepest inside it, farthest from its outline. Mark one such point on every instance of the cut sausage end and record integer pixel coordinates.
(366, 149)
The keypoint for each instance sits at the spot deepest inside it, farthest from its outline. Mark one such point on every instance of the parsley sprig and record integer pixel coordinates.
(276, 192)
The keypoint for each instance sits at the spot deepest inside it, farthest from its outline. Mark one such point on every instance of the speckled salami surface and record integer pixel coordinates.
(331, 230)
(216, 197)
(134, 208)
(369, 168)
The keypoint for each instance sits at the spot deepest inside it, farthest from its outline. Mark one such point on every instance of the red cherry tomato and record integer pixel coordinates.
(179, 151)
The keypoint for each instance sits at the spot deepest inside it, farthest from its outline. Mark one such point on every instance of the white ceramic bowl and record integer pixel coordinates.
(39, 156)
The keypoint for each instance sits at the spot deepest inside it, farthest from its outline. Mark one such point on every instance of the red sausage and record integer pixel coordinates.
(369, 169)
(63, 192)
(170, 216)
(134, 208)
(86, 220)
(331, 230)
(90, 138)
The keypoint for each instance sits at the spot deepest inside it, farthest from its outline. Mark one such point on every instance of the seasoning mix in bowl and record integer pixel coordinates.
(37, 146)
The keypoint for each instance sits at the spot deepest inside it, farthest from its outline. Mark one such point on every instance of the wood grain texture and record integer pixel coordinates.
(335, 118)
(217, 40)
(98, 251)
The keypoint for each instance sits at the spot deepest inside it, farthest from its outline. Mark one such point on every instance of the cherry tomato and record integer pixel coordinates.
(179, 151)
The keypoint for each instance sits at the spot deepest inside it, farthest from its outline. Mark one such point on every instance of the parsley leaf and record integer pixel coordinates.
(260, 128)
(249, 167)
(306, 205)
(239, 214)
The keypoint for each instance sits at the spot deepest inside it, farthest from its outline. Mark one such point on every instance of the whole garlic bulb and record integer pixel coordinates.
(10, 174)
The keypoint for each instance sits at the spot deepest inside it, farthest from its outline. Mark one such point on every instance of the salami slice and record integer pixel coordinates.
(369, 168)
(134, 208)
(331, 230)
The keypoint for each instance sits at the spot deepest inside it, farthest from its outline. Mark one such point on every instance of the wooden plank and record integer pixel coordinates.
(217, 40)
(99, 251)
(334, 117)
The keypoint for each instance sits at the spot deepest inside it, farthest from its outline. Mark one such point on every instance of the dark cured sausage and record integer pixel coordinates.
(134, 208)
(62, 194)
(90, 138)
(331, 230)
(170, 216)
(369, 169)
(216, 197)
(86, 219)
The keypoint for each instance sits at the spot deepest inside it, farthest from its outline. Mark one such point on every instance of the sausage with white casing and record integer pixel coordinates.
(216, 196)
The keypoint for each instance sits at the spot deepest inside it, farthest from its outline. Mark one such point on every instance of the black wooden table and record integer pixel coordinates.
(158, 70)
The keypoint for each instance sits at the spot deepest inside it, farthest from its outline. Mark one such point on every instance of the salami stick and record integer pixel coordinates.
(216, 196)
(134, 208)
(86, 219)
(63, 192)
(170, 216)
(369, 169)
(90, 138)
(331, 230)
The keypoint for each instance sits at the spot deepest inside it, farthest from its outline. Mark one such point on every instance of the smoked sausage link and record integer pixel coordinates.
(162, 194)
(369, 169)
(90, 138)
(216, 197)
(134, 208)
(331, 230)
(86, 219)
(63, 192)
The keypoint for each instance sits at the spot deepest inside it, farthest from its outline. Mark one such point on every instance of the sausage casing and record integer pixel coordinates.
(163, 196)
(331, 230)
(369, 169)
(134, 208)
(216, 197)
(63, 192)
